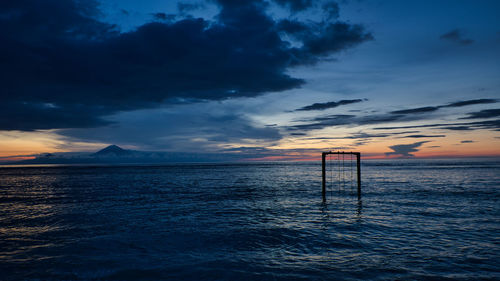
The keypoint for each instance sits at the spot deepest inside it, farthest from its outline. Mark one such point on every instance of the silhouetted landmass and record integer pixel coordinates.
(112, 151)
(114, 154)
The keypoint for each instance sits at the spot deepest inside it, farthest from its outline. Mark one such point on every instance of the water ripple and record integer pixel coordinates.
(417, 220)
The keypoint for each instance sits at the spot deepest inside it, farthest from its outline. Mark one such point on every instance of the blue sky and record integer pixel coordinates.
(378, 59)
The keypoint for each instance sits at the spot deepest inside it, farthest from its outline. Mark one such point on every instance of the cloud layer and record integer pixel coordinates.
(63, 68)
(327, 105)
(428, 109)
(405, 115)
(456, 36)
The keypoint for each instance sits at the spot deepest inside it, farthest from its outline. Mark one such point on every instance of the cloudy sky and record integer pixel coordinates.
(266, 79)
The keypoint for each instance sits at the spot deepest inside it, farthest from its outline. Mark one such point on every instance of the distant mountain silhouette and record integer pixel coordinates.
(112, 151)
(114, 154)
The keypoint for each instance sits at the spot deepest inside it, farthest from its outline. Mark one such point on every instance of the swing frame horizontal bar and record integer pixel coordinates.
(341, 152)
(323, 169)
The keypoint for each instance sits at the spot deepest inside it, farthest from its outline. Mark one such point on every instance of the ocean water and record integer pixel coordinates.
(416, 220)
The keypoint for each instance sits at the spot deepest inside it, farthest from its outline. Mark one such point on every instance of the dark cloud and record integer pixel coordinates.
(30, 116)
(360, 143)
(470, 102)
(364, 138)
(376, 119)
(318, 123)
(295, 5)
(362, 135)
(367, 136)
(164, 17)
(188, 7)
(416, 110)
(327, 105)
(377, 135)
(328, 38)
(467, 141)
(416, 126)
(428, 109)
(423, 136)
(334, 117)
(331, 9)
(456, 36)
(56, 53)
(406, 115)
(322, 122)
(457, 128)
(488, 125)
(487, 113)
(405, 150)
(403, 127)
(464, 126)
(291, 27)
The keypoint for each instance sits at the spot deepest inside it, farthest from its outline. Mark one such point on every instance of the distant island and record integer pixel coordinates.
(113, 151)
(114, 154)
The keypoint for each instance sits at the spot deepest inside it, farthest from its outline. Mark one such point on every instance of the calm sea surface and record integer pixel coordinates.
(416, 220)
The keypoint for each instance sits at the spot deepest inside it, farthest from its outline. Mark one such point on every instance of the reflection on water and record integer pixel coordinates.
(415, 220)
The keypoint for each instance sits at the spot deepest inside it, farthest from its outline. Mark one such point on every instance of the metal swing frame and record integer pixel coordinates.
(323, 169)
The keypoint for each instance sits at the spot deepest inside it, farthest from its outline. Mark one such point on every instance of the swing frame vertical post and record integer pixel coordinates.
(323, 170)
(358, 165)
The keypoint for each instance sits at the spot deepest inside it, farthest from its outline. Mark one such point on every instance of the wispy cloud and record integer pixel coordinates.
(363, 135)
(486, 125)
(422, 136)
(336, 120)
(470, 102)
(327, 105)
(456, 36)
(405, 115)
(416, 110)
(487, 113)
(428, 109)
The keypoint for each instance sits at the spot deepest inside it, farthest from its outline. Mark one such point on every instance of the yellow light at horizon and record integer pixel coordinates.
(26, 143)
(18, 143)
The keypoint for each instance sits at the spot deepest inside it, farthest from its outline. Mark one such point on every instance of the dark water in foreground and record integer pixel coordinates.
(417, 220)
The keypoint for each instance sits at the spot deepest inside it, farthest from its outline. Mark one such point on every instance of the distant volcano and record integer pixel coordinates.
(114, 154)
(112, 151)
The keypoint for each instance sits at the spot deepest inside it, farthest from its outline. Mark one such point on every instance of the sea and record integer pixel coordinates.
(414, 220)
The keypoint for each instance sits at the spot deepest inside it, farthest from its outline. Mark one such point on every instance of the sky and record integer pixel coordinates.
(263, 79)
